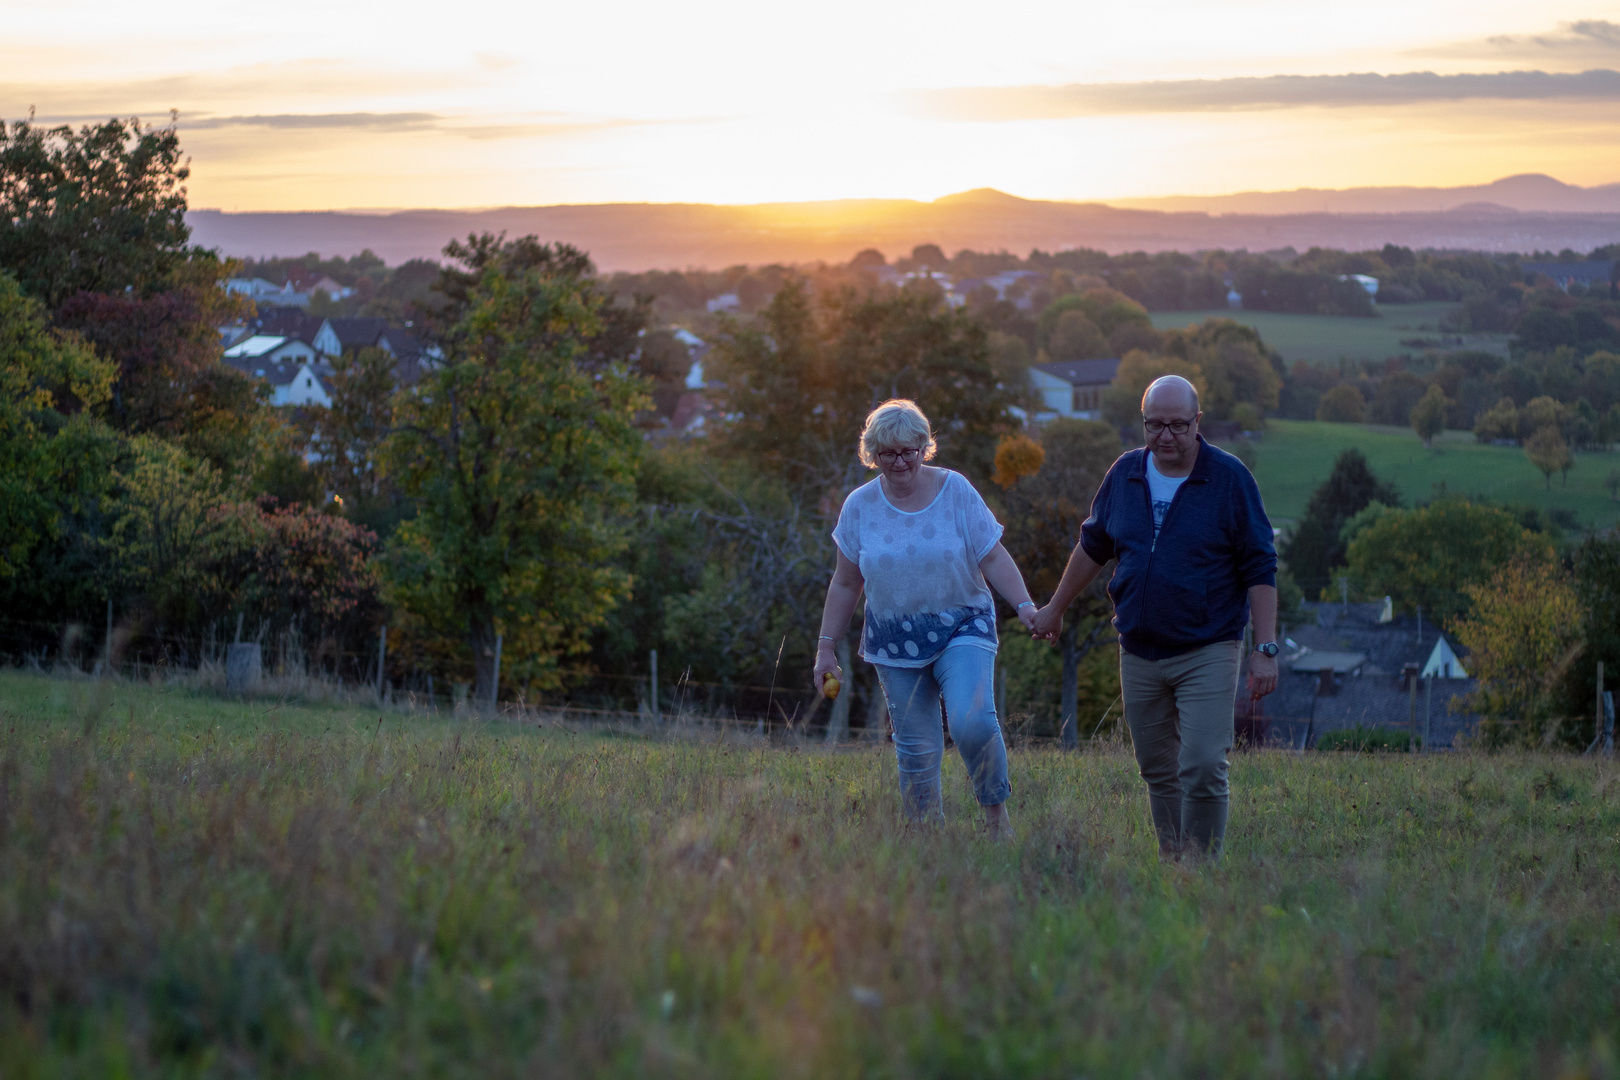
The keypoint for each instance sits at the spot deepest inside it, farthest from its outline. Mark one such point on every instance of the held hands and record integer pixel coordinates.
(1045, 624)
(1262, 674)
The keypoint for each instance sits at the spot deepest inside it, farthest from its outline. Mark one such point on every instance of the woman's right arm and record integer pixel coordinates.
(842, 594)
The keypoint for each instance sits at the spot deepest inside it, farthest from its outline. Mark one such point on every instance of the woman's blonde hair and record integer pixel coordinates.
(895, 424)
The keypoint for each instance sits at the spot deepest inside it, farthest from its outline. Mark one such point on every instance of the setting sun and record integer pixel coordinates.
(326, 105)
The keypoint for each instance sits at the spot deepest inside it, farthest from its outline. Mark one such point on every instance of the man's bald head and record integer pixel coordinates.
(1171, 392)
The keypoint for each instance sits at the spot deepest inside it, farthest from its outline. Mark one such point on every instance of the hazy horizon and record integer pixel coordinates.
(1127, 201)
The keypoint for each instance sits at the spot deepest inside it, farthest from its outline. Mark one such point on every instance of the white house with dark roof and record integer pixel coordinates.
(1072, 388)
(296, 373)
(261, 291)
(263, 348)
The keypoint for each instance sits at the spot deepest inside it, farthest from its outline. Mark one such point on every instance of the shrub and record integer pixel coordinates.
(1366, 740)
(1341, 405)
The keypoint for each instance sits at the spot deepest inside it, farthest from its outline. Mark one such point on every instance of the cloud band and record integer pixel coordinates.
(1270, 92)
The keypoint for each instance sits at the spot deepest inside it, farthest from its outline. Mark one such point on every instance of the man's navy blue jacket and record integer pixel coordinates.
(1193, 589)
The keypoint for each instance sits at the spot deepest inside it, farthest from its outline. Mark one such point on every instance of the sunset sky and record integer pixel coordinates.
(302, 105)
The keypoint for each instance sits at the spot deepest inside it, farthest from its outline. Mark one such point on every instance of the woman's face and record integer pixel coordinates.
(900, 462)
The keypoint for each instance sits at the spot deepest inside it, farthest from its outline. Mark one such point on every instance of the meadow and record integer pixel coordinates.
(1295, 456)
(1325, 339)
(197, 887)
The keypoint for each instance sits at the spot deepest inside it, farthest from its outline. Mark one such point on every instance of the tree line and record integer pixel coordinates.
(517, 514)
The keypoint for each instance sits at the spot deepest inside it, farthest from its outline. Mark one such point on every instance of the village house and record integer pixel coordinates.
(1366, 281)
(296, 373)
(1072, 388)
(263, 292)
(299, 333)
(962, 290)
(1353, 665)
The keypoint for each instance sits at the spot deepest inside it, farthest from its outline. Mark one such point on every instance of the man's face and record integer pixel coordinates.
(1164, 414)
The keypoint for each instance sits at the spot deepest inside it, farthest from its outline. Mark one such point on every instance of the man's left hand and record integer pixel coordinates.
(1262, 674)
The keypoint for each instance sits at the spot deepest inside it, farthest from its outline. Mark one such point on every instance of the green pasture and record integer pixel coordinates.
(1327, 338)
(191, 887)
(1295, 456)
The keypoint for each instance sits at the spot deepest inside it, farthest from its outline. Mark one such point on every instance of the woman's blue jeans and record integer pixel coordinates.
(962, 676)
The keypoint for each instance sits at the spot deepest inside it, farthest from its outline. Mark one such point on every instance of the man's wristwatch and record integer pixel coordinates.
(1269, 648)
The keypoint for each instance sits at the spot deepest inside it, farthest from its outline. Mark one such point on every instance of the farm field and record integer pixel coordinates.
(1326, 338)
(1295, 456)
(191, 886)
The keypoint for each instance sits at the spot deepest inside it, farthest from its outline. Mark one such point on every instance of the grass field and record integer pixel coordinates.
(1326, 338)
(1295, 456)
(196, 887)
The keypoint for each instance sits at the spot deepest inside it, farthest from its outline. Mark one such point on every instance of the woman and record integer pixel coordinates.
(922, 544)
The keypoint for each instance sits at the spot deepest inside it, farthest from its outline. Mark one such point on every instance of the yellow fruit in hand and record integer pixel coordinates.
(829, 686)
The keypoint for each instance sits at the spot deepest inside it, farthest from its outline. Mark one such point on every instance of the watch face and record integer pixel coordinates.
(1269, 648)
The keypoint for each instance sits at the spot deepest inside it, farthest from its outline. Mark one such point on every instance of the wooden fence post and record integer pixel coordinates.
(495, 683)
(1597, 726)
(1411, 711)
(382, 656)
(652, 682)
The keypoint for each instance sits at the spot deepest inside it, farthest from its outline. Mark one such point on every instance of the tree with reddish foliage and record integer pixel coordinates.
(298, 568)
(165, 345)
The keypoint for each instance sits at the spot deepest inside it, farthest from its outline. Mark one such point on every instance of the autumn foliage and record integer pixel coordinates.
(1524, 630)
(1016, 458)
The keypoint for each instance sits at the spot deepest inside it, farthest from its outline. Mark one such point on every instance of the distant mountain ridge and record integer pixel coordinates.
(1527, 193)
(1518, 214)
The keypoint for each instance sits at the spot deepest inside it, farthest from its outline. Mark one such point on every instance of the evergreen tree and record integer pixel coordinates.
(1316, 547)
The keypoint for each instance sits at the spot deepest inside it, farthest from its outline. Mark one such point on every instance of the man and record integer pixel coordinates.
(1180, 611)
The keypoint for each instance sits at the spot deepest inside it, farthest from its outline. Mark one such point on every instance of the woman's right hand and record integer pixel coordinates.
(826, 660)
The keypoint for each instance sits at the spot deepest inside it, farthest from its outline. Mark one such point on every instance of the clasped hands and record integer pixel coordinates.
(1045, 624)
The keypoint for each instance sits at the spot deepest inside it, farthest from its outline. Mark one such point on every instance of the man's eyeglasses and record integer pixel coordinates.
(889, 457)
(1177, 427)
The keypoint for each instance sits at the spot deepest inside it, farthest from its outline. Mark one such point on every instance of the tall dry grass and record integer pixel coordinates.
(196, 887)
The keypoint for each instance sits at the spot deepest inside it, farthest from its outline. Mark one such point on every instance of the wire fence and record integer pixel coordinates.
(787, 707)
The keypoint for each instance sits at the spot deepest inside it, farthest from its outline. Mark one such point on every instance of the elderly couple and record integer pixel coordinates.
(925, 548)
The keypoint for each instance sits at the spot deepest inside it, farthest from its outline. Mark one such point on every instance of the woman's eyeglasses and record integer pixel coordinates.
(889, 457)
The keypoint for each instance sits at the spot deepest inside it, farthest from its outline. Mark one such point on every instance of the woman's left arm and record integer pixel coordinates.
(1003, 575)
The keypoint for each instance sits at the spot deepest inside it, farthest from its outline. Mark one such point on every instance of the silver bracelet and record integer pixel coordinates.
(824, 637)
(1029, 603)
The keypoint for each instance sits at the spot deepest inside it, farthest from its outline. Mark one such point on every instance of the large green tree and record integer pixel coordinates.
(1430, 556)
(48, 383)
(100, 209)
(520, 452)
(799, 384)
(92, 224)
